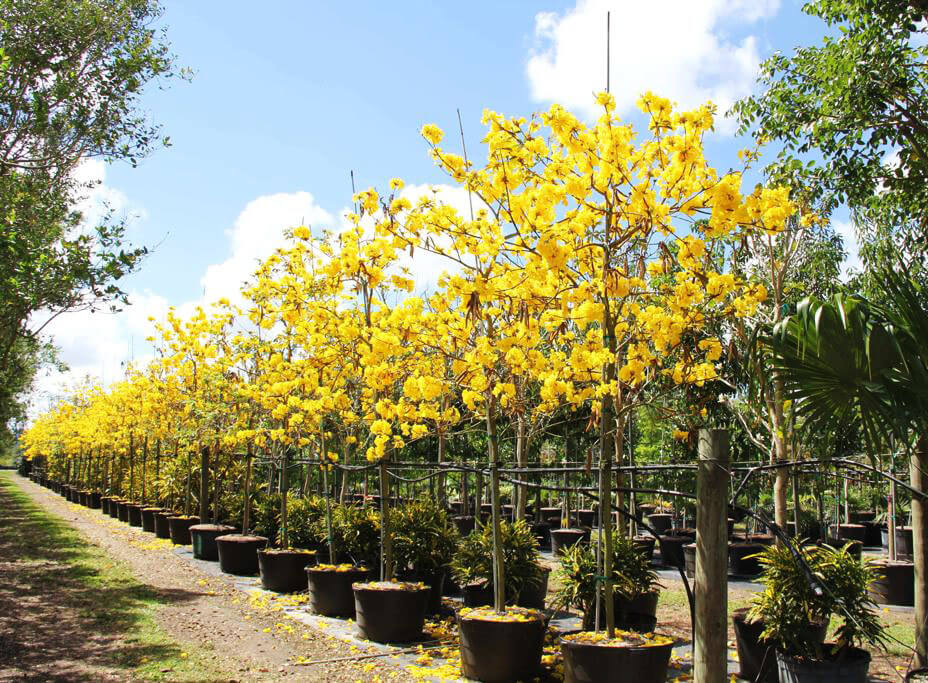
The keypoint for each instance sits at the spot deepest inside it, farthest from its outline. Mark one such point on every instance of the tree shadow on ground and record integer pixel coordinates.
(66, 612)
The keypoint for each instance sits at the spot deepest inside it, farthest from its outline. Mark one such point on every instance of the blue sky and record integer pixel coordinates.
(290, 96)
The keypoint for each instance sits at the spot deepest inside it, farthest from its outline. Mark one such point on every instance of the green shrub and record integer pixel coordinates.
(631, 572)
(424, 538)
(306, 522)
(790, 604)
(356, 533)
(473, 560)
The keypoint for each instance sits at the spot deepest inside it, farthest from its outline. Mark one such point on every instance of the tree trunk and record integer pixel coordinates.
(918, 477)
(521, 461)
(499, 571)
(386, 534)
(285, 487)
(246, 512)
(204, 484)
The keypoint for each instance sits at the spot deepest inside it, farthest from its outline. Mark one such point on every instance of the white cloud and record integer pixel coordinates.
(679, 50)
(852, 261)
(258, 231)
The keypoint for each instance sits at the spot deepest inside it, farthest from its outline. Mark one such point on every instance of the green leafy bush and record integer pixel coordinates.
(473, 560)
(356, 533)
(306, 522)
(266, 515)
(424, 538)
(631, 572)
(791, 604)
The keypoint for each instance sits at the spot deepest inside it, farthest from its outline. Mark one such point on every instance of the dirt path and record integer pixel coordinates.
(49, 630)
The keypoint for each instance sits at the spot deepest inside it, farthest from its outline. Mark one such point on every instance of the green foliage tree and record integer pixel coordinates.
(71, 75)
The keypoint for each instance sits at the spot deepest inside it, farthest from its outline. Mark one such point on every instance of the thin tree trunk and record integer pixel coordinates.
(204, 484)
(246, 512)
(499, 570)
(918, 477)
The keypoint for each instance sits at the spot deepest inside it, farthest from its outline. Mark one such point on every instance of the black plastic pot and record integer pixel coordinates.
(689, 559)
(672, 550)
(638, 613)
(114, 507)
(105, 504)
(238, 554)
(849, 667)
(904, 543)
(477, 594)
(284, 571)
(551, 515)
(542, 532)
(872, 536)
(203, 539)
(565, 538)
(758, 663)
(464, 523)
(884, 537)
(436, 583)
(122, 508)
(134, 514)
(388, 614)
(93, 500)
(895, 584)
(533, 596)
(330, 591)
(601, 663)
(148, 519)
(179, 527)
(660, 522)
(162, 528)
(586, 518)
(861, 516)
(501, 651)
(849, 532)
(645, 545)
(742, 560)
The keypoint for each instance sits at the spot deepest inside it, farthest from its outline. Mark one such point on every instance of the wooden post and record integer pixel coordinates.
(918, 477)
(710, 648)
(204, 485)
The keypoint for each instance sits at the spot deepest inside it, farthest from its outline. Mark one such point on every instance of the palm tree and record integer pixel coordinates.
(848, 362)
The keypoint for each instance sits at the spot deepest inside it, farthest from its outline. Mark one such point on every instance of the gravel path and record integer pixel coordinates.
(203, 610)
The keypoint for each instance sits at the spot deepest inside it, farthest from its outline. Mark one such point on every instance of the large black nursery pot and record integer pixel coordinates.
(114, 507)
(660, 522)
(477, 594)
(894, 585)
(330, 591)
(586, 518)
(862, 516)
(238, 554)
(105, 504)
(873, 537)
(850, 532)
(855, 548)
(533, 595)
(565, 538)
(464, 523)
(203, 539)
(757, 659)
(645, 545)
(586, 662)
(551, 515)
(743, 560)
(179, 528)
(134, 514)
(496, 651)
(148, 519)
(82, 498)
(904, 543)
(637, 613)
(162, 527)
(122, 508)
(94, 501)
(672, 550)
(689, 559)
(851, 666)
(284, 571)
(542, 533)
(388, 612)
(435, 580)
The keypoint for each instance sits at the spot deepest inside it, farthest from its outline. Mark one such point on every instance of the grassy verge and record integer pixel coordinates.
(101, 594)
